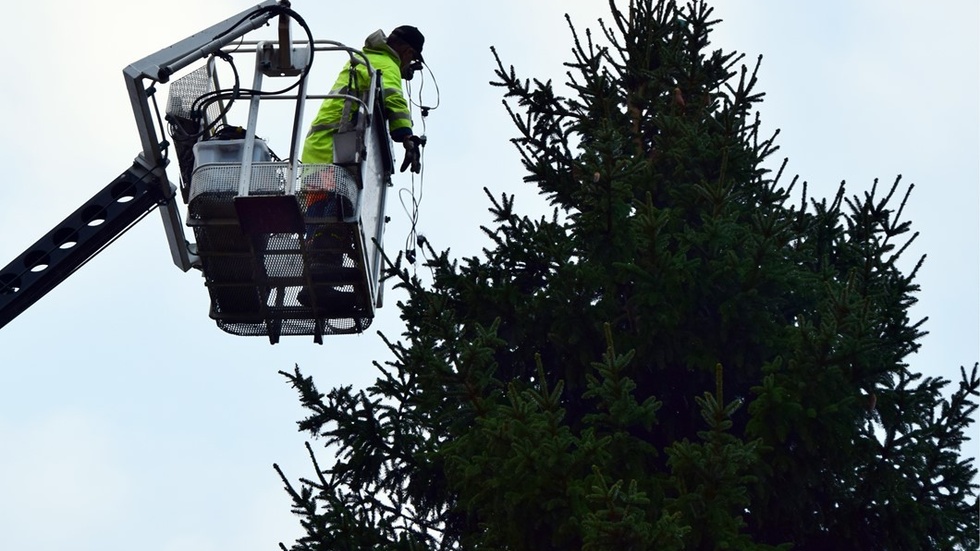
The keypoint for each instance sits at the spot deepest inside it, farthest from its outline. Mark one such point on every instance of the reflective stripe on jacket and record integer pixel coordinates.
(354, 80)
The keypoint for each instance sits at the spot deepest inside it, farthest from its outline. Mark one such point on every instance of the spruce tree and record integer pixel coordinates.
(688, 353)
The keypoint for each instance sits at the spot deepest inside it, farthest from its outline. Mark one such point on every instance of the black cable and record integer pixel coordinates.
(424, 109)
(202, 103)
(413, 239)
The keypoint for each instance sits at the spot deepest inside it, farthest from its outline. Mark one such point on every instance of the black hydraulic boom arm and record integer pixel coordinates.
(77, 239)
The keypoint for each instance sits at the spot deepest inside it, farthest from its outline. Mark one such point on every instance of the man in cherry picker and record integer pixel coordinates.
(397, 55)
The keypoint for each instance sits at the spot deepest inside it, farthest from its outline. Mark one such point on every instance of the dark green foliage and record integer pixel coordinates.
(680, 357)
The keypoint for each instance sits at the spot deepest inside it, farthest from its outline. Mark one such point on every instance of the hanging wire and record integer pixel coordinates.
(411, 198)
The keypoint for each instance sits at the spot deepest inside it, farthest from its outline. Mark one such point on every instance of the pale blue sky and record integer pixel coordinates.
(128, 420)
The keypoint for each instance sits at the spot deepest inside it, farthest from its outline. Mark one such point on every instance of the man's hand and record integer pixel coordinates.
(413, 154)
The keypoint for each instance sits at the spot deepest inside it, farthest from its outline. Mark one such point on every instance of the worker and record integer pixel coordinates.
(396, 56)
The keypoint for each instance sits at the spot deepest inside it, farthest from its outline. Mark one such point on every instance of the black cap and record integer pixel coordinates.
(411, 36)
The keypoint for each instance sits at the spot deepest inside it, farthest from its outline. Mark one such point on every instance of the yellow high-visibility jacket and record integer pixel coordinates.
(354, 80)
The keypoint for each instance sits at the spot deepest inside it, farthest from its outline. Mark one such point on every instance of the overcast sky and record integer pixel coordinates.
(128, 420)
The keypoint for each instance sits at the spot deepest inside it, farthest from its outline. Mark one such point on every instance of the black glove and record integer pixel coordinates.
(413, 154)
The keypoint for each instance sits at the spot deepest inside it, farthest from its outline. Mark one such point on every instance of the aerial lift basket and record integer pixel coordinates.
(287, 248)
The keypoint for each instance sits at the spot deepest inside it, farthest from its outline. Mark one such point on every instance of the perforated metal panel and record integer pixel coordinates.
(186, 90)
